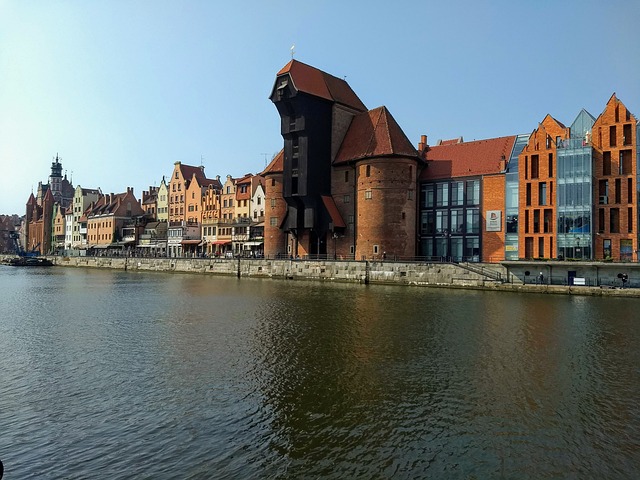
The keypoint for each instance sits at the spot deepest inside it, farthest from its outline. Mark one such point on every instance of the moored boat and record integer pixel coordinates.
(28, 262)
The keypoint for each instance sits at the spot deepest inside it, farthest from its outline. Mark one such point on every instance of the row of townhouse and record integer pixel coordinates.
(349, 184)
(189, 216)
(209, 218)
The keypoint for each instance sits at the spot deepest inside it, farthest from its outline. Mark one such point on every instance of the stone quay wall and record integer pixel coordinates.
(380, 272)
(500, 277)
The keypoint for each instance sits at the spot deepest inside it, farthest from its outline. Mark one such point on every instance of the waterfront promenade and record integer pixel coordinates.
(599, 278)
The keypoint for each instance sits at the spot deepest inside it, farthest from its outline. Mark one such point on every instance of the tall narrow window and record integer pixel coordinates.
(551, 165)
(606, 163)
(630, 220)
(473, 220)
(629, 190)
(528, 195)
(457, 193)
(542, 193)
(612, 136)
(442, 194)
(535, 172)
(617, 190)
(346, 176)
(625, 162)
(614, 220)
(626, 134)
(548, 221)
(541, 247)
(601, 220)
(473, 192)
(368, 171)
(599, 137)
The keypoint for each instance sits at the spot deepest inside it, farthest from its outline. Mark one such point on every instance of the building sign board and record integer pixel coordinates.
(494, 220)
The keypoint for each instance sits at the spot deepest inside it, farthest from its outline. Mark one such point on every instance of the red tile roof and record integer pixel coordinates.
(188, 171)
(315, 82)
(332, 208)
(276, 165)
(481, 157)
(373, 134)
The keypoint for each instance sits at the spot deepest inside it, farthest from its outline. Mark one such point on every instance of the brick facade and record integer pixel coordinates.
(386, 208)
(615, 183)
(536, 201)
(493, 191)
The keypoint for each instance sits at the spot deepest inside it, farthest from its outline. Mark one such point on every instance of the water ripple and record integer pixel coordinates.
(121, 375)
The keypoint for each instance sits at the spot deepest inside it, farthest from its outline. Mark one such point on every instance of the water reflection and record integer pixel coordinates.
(189, 376)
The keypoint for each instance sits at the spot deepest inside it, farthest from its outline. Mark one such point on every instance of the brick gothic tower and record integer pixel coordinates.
(55, 179)
(275, 239)
(381, 219)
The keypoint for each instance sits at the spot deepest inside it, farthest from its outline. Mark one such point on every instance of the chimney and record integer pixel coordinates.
(423, 143)
(503, 164)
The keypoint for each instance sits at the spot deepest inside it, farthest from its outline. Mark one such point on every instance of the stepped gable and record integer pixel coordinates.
(465, 159)
(374, 134)
(315, 82)
(275, 166)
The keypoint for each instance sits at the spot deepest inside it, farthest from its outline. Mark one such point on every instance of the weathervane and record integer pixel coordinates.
(293, 50)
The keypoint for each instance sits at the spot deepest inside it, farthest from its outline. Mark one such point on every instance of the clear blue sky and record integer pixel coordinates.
(122, 89)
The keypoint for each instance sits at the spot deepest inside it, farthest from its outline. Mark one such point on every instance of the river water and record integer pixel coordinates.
(109, 374)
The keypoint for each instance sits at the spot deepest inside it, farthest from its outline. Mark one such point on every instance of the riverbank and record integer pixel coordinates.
(498, 277)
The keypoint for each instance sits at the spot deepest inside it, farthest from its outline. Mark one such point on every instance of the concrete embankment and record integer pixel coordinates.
(474, 276)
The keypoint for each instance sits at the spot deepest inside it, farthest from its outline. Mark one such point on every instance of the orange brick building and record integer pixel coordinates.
(578, 188)
(108, 216)
(615, 165)
(537, 167)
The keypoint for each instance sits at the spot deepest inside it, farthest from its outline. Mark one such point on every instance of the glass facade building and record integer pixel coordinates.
(450, 220)
(511, 200)
(574, 190)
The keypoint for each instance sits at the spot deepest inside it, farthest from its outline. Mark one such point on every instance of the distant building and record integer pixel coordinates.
(37, 233)
(149, 203)
(187, 187)
(108, 219)
(163, 201)
(82, 199)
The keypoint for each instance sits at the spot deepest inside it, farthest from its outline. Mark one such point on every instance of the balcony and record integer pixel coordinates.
(572, 143)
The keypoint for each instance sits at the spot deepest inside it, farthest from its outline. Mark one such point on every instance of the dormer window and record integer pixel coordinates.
(282, 88)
